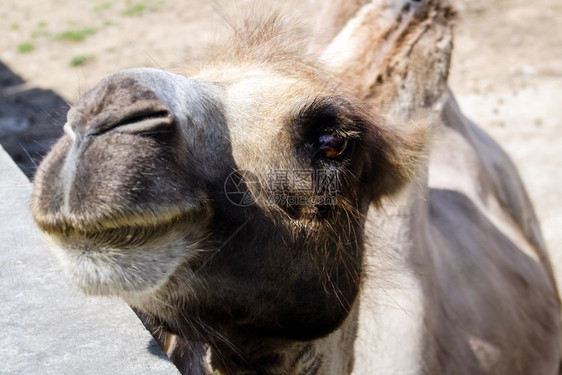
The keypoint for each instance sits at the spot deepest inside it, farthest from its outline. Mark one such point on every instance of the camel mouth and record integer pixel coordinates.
(123, 230)
(123, 234)
(127, 260)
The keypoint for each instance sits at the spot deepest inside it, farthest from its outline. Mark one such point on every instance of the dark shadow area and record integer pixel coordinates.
(31, 120)
(153, 347)
(155, 350)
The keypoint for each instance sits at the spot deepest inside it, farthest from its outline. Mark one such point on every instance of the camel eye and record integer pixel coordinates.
(332, 146)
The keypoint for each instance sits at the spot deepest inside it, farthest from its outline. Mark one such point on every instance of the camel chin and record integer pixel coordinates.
(128, 271)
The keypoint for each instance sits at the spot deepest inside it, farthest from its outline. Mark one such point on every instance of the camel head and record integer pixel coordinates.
(230, 201)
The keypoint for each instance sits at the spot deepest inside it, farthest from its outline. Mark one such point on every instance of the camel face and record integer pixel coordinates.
(262, 180)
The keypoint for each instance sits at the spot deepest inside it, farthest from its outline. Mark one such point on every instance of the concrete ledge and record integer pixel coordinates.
(47, 328)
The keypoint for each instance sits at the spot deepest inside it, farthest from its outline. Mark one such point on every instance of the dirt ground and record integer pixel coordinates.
(506, 72)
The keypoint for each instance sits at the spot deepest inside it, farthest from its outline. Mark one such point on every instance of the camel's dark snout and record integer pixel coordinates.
(119, 104)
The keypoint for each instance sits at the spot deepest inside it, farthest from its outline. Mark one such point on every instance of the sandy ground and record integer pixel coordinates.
(506, 72)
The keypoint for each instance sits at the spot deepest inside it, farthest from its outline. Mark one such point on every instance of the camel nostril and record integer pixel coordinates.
(138, 122)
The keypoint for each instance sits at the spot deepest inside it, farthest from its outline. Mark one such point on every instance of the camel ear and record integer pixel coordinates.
(394, 53)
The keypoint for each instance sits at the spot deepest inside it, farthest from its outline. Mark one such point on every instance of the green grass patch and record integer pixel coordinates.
(42, 24)
(14, 26)
(39, 33)
(109, 23)
(77, 35)
(25, 48)
(81, 60)
(134, 10)
(103, 6)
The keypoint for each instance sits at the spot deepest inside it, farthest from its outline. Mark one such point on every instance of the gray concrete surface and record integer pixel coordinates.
(45, 326)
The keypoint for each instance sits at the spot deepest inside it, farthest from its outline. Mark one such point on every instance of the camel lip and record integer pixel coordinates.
(128, 231)
(62, 220)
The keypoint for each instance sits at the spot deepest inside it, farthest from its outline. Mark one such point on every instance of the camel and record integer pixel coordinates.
(294, 209)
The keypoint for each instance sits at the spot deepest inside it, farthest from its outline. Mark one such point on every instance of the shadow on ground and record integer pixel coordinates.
(31, 120)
